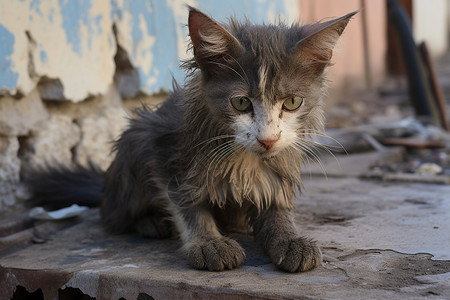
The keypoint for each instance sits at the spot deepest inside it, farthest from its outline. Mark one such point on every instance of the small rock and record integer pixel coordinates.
(429, 169)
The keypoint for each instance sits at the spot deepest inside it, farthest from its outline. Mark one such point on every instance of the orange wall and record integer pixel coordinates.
(348, 73)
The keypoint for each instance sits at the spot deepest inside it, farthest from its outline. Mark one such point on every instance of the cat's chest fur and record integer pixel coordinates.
(247, 179)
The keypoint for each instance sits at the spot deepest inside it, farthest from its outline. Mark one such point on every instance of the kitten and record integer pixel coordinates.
(223, 152)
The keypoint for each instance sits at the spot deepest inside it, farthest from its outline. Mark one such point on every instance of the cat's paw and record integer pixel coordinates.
(295, 255)
(215, 254)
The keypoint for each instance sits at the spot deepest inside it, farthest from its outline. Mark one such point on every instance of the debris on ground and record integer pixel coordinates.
(409, 150)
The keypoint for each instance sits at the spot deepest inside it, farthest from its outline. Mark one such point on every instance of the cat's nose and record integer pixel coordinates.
(267, 143)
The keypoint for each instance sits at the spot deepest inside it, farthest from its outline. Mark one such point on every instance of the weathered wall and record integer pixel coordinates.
(430, 24)
(73, 42)
(68, 69)
(356, 67)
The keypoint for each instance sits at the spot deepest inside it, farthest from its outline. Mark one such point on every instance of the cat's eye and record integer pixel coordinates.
(292, 103)
(242, 104)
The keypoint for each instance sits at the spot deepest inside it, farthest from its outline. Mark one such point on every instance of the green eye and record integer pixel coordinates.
(292, 103)
(242, 104)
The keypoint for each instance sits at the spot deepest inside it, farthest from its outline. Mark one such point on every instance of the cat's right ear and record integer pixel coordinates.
(316, 47)
(213, 45)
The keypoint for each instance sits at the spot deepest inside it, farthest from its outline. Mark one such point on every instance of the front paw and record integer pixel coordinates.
(295, 255)
(215, 254)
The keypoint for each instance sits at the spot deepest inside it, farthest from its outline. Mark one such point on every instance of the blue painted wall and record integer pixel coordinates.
(8, 78)
(153, 33)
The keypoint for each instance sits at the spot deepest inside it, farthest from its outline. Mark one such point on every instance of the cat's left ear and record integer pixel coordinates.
(213, 45)
(318, 40)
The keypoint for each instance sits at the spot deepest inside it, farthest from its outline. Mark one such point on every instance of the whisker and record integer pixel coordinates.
(215, 138)
(306, 155)
(226, 156)
(216, 153)
(308, 161)
(307, 132)
(220, 154)
(326, 148)
(307, 149)
(230, 68)
(322, 146)
(240, 66)
(212, 153)
(331, 147)
(209, 141)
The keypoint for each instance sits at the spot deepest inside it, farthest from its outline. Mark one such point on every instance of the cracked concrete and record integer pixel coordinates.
(379, 240)
(350, 213)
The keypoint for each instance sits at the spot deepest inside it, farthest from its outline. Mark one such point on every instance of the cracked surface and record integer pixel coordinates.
(364, 241)
(349, 214)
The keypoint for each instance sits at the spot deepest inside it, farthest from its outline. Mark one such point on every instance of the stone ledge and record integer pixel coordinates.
(361, 259)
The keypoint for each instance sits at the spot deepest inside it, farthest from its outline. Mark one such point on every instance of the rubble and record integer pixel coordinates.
(425, 154)
(429, 169)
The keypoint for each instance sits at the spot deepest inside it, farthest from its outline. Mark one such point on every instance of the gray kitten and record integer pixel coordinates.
(223, 153)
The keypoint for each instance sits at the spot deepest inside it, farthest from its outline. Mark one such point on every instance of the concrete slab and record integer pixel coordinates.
(379, 241)
(351, 165)
(349, 214)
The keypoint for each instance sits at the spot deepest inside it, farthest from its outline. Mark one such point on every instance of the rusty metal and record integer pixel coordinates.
(438, 95)
(413, 143)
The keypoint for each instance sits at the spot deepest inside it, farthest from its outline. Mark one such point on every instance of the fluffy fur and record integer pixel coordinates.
(197, 166)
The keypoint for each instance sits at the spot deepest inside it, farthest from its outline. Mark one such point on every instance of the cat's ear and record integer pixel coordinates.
(318, 40)
(213, 45)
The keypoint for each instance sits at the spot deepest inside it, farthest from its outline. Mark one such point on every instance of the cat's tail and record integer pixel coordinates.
(61, 186)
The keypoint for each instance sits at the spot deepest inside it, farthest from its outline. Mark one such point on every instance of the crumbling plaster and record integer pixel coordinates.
(74, 41)
(67, 40)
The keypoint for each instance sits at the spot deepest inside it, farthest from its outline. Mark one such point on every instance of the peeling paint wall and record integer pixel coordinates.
(73, 42)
